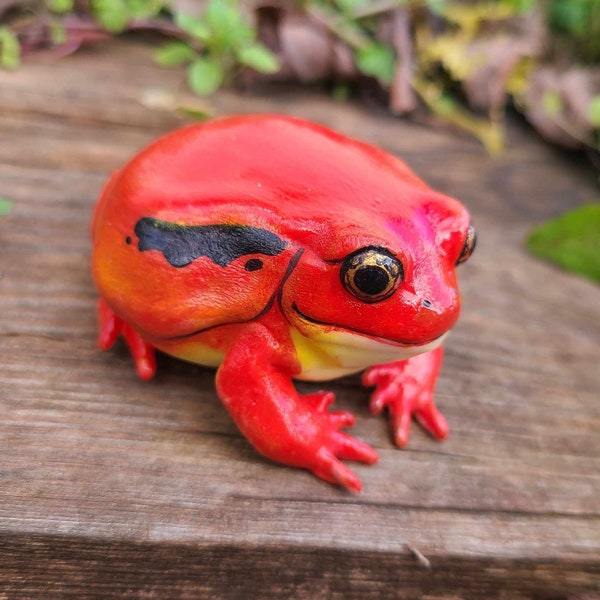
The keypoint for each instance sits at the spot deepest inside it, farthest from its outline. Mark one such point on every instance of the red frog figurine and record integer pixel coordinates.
(276, 249)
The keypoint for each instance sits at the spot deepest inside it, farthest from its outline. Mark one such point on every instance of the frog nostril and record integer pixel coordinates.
(427, 303)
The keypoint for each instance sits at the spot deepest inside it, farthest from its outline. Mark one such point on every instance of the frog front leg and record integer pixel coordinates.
(255, 384)
(111, 327)
(406, 388)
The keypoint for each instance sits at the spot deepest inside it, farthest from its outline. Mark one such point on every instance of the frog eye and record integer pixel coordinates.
(371, 274)
(470, 243)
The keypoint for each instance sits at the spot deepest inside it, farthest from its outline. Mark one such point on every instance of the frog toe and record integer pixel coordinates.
(432, 420)
(350, 448)
(330, 469)
(111, 327)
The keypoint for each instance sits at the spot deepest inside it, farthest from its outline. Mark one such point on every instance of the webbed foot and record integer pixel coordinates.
(326, 445)
(406, 389)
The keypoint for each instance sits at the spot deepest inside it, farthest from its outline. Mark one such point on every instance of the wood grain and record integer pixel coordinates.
(114, 488)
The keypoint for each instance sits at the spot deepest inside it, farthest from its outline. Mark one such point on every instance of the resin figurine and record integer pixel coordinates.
(275, 249)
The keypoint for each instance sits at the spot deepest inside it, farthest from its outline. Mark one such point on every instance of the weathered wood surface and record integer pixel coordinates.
(114, 488)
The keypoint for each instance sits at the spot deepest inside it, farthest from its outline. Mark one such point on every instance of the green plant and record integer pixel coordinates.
(116, 15)
(5, 207)
(216, 45)
(441, 61)
(578, 24)
(438, 51)
(571, 241)
(10, 50)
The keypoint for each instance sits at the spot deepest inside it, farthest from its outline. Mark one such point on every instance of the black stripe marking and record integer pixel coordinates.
(183, 244)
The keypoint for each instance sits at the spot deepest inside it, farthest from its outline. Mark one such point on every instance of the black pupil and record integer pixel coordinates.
(371, 280)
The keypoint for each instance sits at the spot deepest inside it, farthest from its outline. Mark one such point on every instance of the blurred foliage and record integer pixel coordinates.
(577, 23)
(10, 50)
(6, 207)
(451, 45)
(571, 241)
(217, 43)
(463, 61)
(214, 46)
(116, 15)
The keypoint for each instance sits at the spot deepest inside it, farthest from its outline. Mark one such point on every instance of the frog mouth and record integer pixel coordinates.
(392, 342)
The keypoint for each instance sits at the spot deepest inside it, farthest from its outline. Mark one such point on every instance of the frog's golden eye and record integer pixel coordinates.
(371, 274)
(470, 243)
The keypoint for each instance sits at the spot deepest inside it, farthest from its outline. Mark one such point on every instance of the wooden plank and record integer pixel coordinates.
(116, 488)
(144, 570)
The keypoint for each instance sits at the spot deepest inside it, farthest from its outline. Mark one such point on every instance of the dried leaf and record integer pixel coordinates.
(489, 132)
(470, 16)
(403, 99)
(164, 99)
(451, 51)
(305, 48)
(557, 102)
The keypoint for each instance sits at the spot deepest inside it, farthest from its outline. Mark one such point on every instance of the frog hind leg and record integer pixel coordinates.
(255, 384)
(406, 389)
(111, 327)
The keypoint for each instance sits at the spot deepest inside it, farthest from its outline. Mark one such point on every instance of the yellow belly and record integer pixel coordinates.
(333, 354)
(324, 356)
(194, 351)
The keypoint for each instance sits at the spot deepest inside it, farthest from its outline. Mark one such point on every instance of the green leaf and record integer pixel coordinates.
(197, 28)
(521, 6)
(10, 49)
(594, 111)
(349, 6)
(552, 103)
(205, 76)
(5, 207)
(259, 58)
(341, 92)
(60, 6)
(446, 104)
(198, 112)
(58, 33)
(223, 14)
(227, 25)
(569, 16)
(174, 53)
(111, 14)
(572, 241)
(143, 9)
(377, 61)
(436, 6)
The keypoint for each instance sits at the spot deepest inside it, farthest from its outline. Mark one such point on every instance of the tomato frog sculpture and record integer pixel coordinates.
(276, 249)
